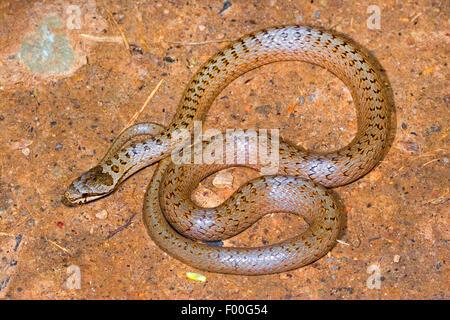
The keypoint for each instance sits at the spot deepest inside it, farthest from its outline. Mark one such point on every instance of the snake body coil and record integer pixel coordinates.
(176, 224)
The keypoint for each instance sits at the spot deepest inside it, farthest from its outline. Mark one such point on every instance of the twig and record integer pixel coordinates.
(102, 38)
(342, 242)
(113, 233)
(58, 246)
(415, 17)
(139, 28)
(125, 41)
(438, 200)
(428, 162)
(430, 153)
(6, 234)
(136, 115)
(198, 43)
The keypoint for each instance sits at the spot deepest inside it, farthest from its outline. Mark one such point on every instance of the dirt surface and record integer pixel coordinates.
(73, 73)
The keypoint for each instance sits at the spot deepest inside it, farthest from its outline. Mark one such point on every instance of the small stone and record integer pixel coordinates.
(396, 258)
(26, 151)
(409, 146)
(103, 214)
(223, 180)
(19, 145)
(169, 59)
(226, 5)
(433, 130)
(201, 27)
(58, 146)
(375, 176)
(285, 276)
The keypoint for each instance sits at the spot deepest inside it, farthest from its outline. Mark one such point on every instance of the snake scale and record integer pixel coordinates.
(176, 224)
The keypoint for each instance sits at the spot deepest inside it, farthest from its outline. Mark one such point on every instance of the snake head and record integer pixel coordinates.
(90, 186)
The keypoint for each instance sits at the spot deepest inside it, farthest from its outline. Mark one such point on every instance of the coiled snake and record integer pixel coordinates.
(176, 224)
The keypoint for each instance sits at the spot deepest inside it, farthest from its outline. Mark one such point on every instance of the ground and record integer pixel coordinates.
(73, 74)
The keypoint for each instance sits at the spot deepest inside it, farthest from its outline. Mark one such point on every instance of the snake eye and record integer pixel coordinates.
(84, 194)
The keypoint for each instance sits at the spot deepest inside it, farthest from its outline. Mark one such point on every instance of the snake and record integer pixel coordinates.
(303, 181)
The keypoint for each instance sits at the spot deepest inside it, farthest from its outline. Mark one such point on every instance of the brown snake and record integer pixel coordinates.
(176, 223)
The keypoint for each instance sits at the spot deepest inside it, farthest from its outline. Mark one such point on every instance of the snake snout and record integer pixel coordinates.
(72, 196)
(67, 200)
(90, 186)
(77, 193)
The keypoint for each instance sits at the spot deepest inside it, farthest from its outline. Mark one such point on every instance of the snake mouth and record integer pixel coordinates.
(84, 198)
(68, 202)
(72, 197)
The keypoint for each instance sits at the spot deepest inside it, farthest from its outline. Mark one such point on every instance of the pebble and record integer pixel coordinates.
(375, 176)
(103, 214)
(58, 146)
(285, 276)
(396, 258)
(19, 145)
(226, 5)
(201, 27)
(26, 151)
(169, 59)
